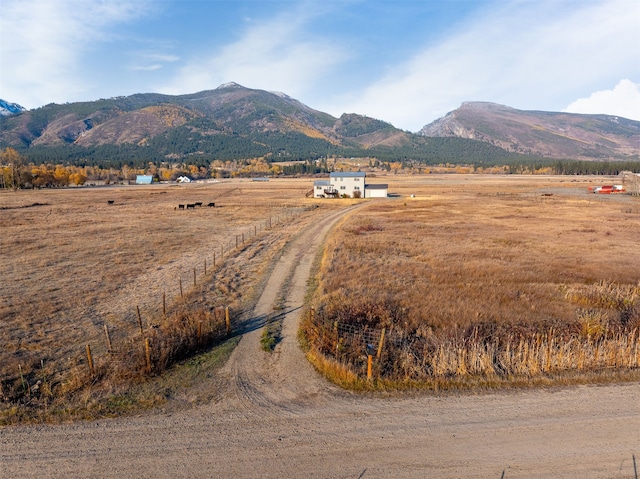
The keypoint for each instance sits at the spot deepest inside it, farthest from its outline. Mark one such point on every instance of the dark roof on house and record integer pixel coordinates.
(347, 174)
(378, 186)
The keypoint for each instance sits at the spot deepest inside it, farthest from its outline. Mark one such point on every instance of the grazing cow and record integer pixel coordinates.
(110, 202)
(180, 207)
(198, 204)
(211, 205)
(191, 206)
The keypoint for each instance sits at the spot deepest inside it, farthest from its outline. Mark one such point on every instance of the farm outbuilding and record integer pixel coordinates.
(347, 184)
(376, 190)
(144, 179)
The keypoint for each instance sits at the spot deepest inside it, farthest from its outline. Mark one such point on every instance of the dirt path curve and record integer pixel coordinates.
(280, 420)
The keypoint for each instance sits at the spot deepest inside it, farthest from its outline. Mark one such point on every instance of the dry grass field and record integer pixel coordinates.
(465, 272)
(75, 260)
(482, 279)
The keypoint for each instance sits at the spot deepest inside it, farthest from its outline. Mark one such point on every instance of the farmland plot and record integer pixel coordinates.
(487, 281)
(76, 260)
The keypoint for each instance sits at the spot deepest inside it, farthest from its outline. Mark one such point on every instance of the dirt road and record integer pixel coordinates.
(280, 420)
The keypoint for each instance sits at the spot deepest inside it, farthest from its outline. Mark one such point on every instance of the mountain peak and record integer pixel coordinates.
(7, 108)
(484, 105)
(540, 133)
(230, 84)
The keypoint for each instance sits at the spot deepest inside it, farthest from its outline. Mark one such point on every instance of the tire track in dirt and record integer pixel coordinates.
(279, 419)
(282, 382)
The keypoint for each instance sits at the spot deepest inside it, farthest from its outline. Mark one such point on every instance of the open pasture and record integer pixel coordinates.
(74, 260)
(465, 273)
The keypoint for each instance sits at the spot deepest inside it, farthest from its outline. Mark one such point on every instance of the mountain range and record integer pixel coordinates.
(234, 122)
(549, 134)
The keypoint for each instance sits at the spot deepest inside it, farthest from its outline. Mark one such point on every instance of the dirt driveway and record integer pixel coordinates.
(281, 420)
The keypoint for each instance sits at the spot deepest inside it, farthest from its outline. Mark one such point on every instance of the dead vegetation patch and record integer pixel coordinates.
(83, 273)
(506, 288)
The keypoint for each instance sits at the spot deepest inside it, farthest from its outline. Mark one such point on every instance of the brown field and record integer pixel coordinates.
(468, 256)
(482, 278)
(73, 263)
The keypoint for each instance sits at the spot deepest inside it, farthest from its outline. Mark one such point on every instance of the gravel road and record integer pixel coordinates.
(279, 419)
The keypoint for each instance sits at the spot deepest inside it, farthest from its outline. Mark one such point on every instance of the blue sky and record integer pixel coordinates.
(406, 62)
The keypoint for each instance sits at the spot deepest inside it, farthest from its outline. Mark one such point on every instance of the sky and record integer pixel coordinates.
(404, 62)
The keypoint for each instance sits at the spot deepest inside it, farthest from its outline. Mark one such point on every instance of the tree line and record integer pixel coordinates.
(19, 170)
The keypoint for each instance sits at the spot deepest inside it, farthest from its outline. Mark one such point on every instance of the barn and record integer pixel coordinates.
(144, 179)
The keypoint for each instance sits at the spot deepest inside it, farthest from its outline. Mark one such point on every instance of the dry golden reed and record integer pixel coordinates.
(470, 282)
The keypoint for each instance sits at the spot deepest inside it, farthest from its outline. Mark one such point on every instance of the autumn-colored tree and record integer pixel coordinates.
(77, 179)
(61, 175)
(12, 163)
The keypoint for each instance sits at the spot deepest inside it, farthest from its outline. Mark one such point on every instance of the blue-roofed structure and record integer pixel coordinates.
(144, 179)
(347, 174)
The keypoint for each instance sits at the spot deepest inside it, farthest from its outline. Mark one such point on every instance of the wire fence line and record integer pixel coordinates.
(107, 338)
(403, 355)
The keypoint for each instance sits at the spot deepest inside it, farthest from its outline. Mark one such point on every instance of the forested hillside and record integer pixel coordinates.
(233, 123)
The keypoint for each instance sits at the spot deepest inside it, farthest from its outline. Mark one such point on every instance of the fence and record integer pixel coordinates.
(400, 355)
(145, 339)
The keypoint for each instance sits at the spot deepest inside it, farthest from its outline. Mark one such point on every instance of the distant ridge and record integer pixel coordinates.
(232, 122)
(547, 134)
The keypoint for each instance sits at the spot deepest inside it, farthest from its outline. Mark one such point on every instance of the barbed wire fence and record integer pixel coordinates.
(137, 341)
(398, 354)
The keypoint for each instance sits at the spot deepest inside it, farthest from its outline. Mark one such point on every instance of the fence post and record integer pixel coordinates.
(227, 320)
(106, 333)
(205, 266)
(369, 367)
(194, 277)
(214, 259)
(380, 344)
(24, 384)
(139, 319)
(164, 304)
(147, 350)
(90, 360)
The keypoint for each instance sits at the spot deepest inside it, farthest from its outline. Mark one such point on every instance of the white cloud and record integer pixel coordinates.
(42, 43)
(278, 54)
(623, 100)
(529, 55)
(151, 61)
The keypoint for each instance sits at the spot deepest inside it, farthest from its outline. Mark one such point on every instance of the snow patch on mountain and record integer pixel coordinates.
(7, 108)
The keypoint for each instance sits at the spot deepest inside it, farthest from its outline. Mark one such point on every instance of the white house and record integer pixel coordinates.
(350, 184)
